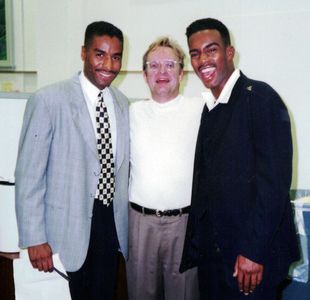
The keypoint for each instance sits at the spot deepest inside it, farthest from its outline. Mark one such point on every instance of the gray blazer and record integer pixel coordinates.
(57, 172)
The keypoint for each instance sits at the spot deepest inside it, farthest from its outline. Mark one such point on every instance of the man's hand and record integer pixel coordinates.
(41, 257)
(249, 274)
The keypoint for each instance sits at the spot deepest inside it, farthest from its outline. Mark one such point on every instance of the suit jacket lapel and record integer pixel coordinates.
(213, 125)
(120, 146)
(80, 115)
(218, 119)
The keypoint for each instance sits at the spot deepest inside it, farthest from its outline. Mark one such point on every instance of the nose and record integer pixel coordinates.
(204, 57)
(162, 68)
(107, 63)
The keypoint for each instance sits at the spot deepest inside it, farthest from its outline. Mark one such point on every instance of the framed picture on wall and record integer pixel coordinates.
(6, 35)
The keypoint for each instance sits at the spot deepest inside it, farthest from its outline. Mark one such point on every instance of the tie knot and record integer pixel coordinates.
(100, 96)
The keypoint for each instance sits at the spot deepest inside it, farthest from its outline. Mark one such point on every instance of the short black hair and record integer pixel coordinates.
(209, 23)
(101, 28)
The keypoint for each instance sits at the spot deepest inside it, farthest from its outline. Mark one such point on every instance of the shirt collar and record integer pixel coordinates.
(225, 93)
(90, 89)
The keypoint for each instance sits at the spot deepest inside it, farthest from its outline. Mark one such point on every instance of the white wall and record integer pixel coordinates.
(271, 39)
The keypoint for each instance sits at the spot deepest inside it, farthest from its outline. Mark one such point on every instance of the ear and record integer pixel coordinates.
(145, 76)
(83, 53)
(230, 52)
(181, 75)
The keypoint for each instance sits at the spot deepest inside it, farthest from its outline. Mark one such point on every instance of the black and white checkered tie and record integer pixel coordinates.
(106, 184)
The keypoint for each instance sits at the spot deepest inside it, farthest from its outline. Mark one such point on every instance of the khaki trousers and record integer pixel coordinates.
(155, 250)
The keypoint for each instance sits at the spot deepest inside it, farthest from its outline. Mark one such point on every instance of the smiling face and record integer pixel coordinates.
(163, 79)
(211, 59)
(102, 60)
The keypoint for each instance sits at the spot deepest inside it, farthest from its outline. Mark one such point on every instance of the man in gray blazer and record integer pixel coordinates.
(58, 169)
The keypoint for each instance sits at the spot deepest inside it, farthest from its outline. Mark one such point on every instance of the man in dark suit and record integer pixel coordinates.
(62, 203)
(240, 231)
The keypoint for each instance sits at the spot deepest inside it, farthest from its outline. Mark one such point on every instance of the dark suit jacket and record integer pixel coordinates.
(242, 176)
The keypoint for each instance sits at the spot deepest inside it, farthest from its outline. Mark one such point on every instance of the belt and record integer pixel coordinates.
(160, 213)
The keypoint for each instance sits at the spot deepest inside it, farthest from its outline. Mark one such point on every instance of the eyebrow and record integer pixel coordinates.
(118, 54)
(212, 44)
(102, 51)
(99, 50)
(207, 46)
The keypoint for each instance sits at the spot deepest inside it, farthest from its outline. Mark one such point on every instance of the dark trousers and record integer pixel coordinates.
(216, 282)
(96, 279)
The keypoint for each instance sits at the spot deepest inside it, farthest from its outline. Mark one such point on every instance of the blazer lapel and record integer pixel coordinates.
(120, 140)
(218, 119)
(80, 115)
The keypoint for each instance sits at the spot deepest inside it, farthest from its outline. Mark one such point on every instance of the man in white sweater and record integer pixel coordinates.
(163, 132)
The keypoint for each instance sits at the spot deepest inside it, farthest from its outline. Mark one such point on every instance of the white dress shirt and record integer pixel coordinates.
(91, 97)
(225, 93)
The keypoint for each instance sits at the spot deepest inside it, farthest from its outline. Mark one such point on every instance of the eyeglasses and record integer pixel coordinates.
(155, 66)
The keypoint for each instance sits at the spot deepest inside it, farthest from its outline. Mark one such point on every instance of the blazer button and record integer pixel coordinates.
(96, 173)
